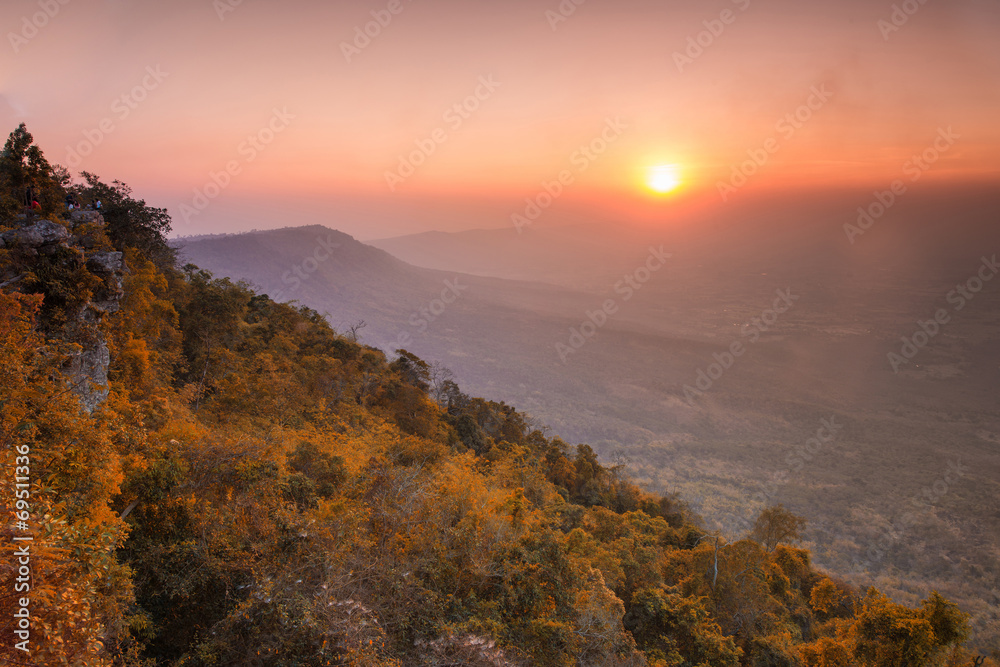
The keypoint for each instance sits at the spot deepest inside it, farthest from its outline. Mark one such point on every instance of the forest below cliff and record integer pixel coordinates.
(252, 487)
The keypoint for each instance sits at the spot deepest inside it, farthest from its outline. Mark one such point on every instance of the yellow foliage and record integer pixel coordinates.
(825, 597)
(60, 465)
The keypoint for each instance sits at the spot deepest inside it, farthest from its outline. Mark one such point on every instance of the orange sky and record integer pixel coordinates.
(608, 67)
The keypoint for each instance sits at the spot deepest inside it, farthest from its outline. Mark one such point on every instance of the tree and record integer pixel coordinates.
(676, 630)
(130, 223)
(325, 470)
(887, 634)
(775, 525)
(26, 175)
(144, 335)
(442, 380)
(949, 623)
(211, 319)
(826, 652)
(355, 328)
(825, 597)
(68, 471)
(414, 370)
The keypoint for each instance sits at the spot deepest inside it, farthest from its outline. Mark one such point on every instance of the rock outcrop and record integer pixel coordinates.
(41, 246)
(38, 234)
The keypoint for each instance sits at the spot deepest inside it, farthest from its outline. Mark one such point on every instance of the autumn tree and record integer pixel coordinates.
(826, 652)
(67, 472)
(145, 339)
(825, 597)
(775, 525)
(673, 629)
(26, 175)
(887, 634)
(130, 222)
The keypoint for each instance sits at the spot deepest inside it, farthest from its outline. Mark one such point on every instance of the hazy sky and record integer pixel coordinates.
(162, 94)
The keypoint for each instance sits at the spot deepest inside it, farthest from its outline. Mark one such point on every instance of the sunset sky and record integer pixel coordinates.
(331, 121)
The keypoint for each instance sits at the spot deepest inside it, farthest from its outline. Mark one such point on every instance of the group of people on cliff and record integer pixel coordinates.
(31, 202)
(73, 204)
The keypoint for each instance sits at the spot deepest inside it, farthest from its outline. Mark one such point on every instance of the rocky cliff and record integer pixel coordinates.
(81, 280)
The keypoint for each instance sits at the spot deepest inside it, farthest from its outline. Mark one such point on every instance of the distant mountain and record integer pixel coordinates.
(498, 336)
(332, 272)
(793, 239)
(317, 265)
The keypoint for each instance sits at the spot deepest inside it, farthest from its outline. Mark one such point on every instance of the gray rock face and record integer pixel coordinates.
(86, 216)
(88, 373)
(87, 370)
(109, 266)
(38, 233)
(105, 263)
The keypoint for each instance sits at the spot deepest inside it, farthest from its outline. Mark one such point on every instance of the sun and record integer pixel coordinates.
(664, 178)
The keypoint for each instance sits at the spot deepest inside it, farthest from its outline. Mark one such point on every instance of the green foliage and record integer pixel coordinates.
(130, 223)
(891, 635)
(26, 175)
(674, 629)
(326, 471)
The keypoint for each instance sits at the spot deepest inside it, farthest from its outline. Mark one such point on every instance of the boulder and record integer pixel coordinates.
(38, 233)
(105, 262)
(86, 216)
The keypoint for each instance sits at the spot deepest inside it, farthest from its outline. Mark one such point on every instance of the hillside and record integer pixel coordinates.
(353, 281)
(727, 452)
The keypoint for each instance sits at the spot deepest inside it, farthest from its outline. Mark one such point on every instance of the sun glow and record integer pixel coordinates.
(664, 178)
